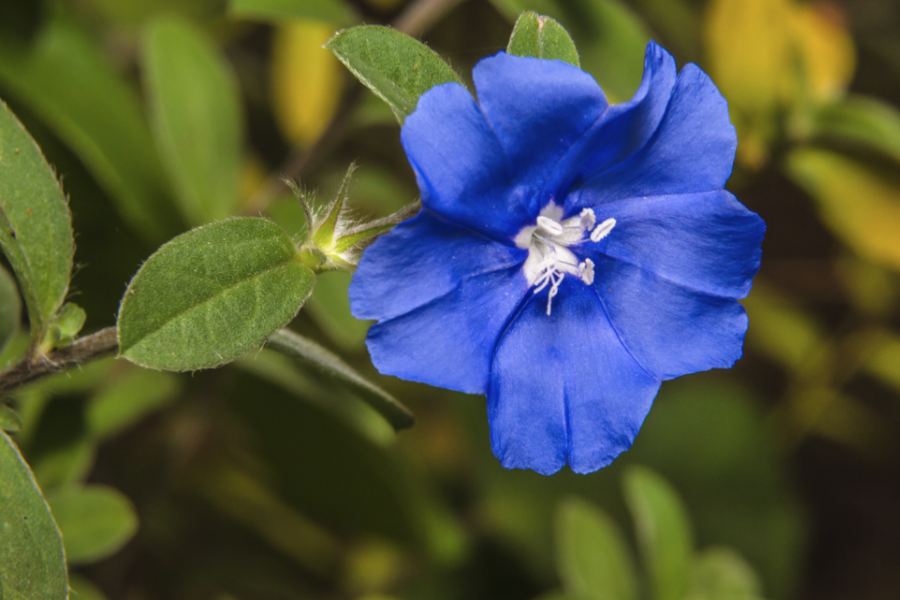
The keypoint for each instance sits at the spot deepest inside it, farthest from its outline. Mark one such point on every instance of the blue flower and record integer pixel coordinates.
(570, 254)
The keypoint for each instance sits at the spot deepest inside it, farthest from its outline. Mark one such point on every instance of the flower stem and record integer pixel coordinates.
(307, 351)
(83, 350)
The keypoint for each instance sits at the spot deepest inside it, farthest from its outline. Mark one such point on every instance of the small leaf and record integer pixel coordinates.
(663, 532)
(305, 350)
(9, 419)
(82, 589)
(67, 464)
(330, 11)
(306, 80)
(35, 227)
(542, 37)
(64, 327)
(10, 309)
(592, 557)
(68, 82)
(95, 521)
(32, 562)
(196, 116)
(211, 295)
(396, 67)
(722, 574)
(859, 121)
(128, 400)
(859, 202)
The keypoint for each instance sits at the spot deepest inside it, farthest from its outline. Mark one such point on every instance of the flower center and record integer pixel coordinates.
(548, 242)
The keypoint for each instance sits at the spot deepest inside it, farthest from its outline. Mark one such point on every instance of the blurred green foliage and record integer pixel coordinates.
(278, 479)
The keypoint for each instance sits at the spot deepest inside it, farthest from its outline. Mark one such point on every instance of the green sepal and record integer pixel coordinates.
(542, 37)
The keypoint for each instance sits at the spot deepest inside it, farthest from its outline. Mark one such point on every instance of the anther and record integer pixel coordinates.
(602, 230)
(549, 226)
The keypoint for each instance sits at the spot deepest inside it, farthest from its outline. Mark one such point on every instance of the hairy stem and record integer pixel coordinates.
(83, 350)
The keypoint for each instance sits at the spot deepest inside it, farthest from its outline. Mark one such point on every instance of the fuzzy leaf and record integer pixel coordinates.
(211, 295)
(542, 37)
(32, 562)
(95, 521)
(395, 66)
(592, 557)
(10, 309)
(663, 532)
(35, 227)
(196, 118)
(68, 82)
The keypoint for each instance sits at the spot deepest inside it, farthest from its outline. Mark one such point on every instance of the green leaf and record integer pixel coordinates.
(32, 562)
(196, 116)
(395, 66)
(9, 419)
(722, 574)
(859, 121)
(95, 521)
(330, 11)
(128, 400)
(68, 82)
(66, 464)
(10, 309)
(858, 201)
(211, 295)
(35, 227)
(307, 351)
(592, 557)
(611, 39)
(64, 327)
(82, 589)
(542, 37)
(663, 532)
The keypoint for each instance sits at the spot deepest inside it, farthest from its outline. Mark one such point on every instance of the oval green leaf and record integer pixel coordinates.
(722, 574)
(10, 309)
(542, 37)
(211, 295)
(9, 419)
(196, 117)
(592, 557)
(35, 226)
(859, 121)
(68, 82)
(95, 521)
(663, 532)
(32, 561)
(396, 67)
(330, 11)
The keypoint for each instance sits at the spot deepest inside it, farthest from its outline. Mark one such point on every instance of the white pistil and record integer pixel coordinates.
(548, 243)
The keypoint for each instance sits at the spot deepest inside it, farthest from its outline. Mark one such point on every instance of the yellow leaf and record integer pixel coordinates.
(826, 49)
(306, 80)
(859, 203)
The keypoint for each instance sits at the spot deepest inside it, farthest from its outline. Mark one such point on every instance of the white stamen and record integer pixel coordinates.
(548, 242)
(602, 230)
(549, 226)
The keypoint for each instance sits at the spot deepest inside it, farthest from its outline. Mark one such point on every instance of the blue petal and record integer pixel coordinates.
(538, 109)
(462, 169)
(449, 341)
(563, 387)
(671, 330)
(420, 260)
(625, 128)
(691, 151)
(707, 242)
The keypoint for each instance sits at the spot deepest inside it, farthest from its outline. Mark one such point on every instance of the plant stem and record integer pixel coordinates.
(307, 351)
(83, 350)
